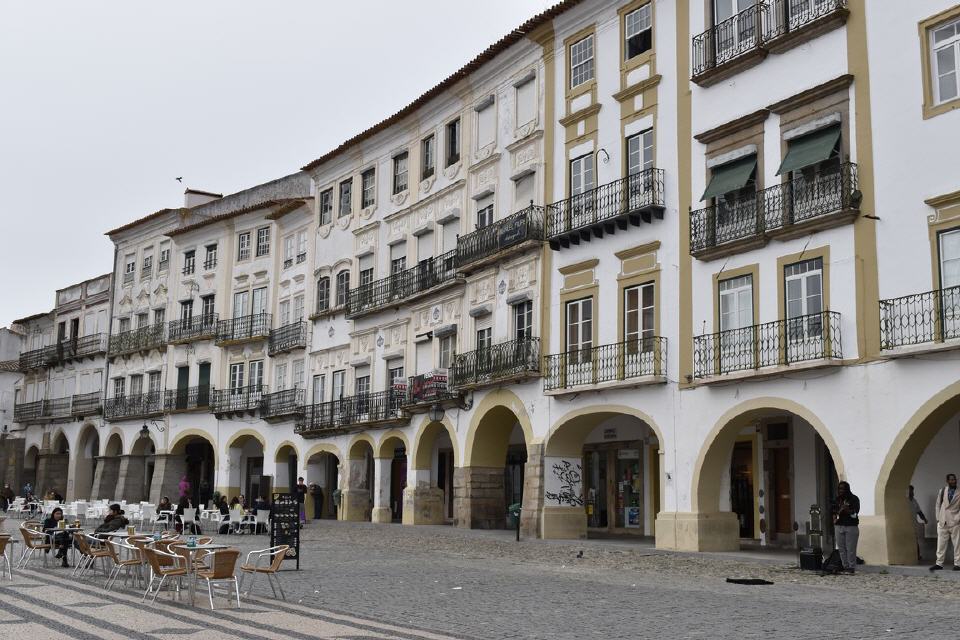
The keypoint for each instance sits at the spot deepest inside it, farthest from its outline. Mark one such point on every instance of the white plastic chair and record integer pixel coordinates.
(236, 519)
(189, 517)
(262, 518)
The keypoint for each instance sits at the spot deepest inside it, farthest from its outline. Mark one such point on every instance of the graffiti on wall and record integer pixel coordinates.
(564, 483)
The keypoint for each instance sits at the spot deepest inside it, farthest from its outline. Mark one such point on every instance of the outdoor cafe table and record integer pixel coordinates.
(192, 553)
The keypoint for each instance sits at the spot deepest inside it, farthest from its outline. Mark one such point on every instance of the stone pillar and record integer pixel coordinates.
(106, 479)
(478, 501)
(167, 471)
(52, 473)
(532, 492)
(381, 491)
(12, 452)
(718, 531)
(355, 498)
(131, 477)
(422, 502)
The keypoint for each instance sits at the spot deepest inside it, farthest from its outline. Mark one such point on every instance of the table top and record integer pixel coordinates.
(118, 534)
(211, 545)
(64, 529)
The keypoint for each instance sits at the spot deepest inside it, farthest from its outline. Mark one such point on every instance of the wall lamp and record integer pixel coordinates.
(145, 429)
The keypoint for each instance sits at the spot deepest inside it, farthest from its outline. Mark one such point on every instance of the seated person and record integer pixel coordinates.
(114, 521)
(61, 539)
(261, 504)
(224, 514)
(193, 526)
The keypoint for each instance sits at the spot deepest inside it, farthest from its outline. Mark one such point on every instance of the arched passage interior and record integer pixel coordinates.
(357, 496)
(192, 457)
(30, 467)
(287, 469)
(429, 495)
(53, 467)
(245, 468)
(323, 470)
(86, 463)
(390, 478)
(138, 479)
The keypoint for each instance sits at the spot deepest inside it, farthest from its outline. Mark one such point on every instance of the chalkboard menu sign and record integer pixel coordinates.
(285, 524)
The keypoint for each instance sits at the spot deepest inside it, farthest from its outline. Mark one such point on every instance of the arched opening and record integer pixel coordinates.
(192, 459)
(323, 471)
(86, 464)
(390, 478)
(30, 468)
(53, 468)
(357, 496)
(761, 477)
(926, 449)
(601, 475)
(138, 481)
(60, 444)
(287, 469)
(493, 477)
(429, 495)
(245, 469)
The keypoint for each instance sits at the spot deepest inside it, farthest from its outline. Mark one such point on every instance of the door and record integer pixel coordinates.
(782, 499)
(203, 385)
(735, 29)
(596, 489)
(445, 480)
(741, 486)
(804, 306)
(241, 304)
(582, 183)
(950, 283)
(183, 386)
(640, 356)
(737, 344)
(398, 480)
(580, 341)
(639, 162)
(254, 485)
(259, 325)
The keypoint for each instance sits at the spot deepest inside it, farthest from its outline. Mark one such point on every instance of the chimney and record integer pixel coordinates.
(195, 197)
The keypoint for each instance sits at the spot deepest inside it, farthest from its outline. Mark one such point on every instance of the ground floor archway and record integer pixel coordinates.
(287, 468)
(86, 463)
(191, 457)
(30, 459)
(244, 466)
(322, 473)
(390, 478)
(429, 494)
(357, 496)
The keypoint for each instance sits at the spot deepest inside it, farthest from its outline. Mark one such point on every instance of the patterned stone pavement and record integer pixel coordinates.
(377, 581)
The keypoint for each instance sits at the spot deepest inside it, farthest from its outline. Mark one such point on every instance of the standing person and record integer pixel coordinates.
(6, 496)
(948, 522)
(846, 520)
(204, 492)
(317, 492)
(27, 490)
(919, 521)
(184, 487)
(301, 491)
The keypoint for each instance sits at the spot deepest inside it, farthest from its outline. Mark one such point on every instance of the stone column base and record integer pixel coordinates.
(881, 543)
(422, 505)
(381, 515)
(478, 500)
(355, 505)
(677, 531)
(564, 523)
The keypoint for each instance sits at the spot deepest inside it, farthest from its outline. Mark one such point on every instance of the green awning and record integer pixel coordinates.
(730, 177)
(810, 149)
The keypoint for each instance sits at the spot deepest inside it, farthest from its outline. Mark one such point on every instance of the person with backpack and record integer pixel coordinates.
(846, 521)
(947, 510)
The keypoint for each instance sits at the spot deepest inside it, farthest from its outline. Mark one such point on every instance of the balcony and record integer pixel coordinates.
(141, 405)
(427, 276)
(86, 404)
(283, 404)
(508, 361)
(491, 243)
(238, 401)
(605, 209)
(629, 363)
(244, 329)
(84, 347)
(287, 338)
(787, 210)
(76, 406)
(361, 411)
(427, 389)
(931, 317)
(770, 26)
(187, 399)
(36, 359)
(813, 338)
(203, 327)
(143, 339)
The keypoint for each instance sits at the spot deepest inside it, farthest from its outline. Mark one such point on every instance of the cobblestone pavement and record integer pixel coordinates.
(377, 581)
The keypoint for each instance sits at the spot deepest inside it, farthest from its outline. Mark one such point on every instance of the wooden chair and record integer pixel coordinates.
(163, 565)
(4, 541)
(120, 563)
(222, 569)
(89, 554)
(266, 562)
(33, 540)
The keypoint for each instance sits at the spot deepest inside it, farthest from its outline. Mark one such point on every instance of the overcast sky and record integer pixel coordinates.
(104, 104)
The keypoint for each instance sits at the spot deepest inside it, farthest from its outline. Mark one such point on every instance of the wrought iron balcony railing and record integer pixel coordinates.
(512, 231)
(244, 328)
(202, 327)
(188, 399)
(787, 16)
(288, 337)
(504, 361)
(134, 406)
(74, 406)
(621, 361)
(933, 316)
(426, 275)
(150, 337)
(26, 411)
(238, 400)
(37, 359)
(289, 402)
(779, 343)
(427, 388)
(352, 411)
(629, 200)
(82, 347)
(775, 209)
(86, 404)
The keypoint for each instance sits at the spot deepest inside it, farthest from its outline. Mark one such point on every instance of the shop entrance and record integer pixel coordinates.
(741, 487)
(616, 493)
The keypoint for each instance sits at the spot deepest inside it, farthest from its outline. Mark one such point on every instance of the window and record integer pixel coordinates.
(284, 313)
(733, 188)
(736, 303)
(368, 188)
(186, 310)
(129, 269)
(153, 384)
(119, 387)
(484, 339)
(189, 262)
(945, 54)
(366, 276)
(523, 319)
(526, 94)
(427, 156)
(398, 258)
(453, 142)
(256, 373)
(208, 303)
(147, 267)
(124, 325)
(338, 379)
(241, 304)
(211, 260)
(143, 320)
(323, 294)
(484, 212)
(280, 376)
(579, 329)
(326, 206)
(395, 376)
(319, 388)
(298, 307)
(487, 124)
(159, 316)
(301, 246)
(263, 241)
(343, 287)
(524, 190)
(581, 61)
(400, 173)
(346, 196)
(164, 259)
(362, 385)
(638, 317)
(803, 288)
(949, 242)
(236, 376)
(737, 33)
(640, 152)
(289, 244)
(297, 378)
(259, 301)
(637, 32)
(243, 246)
(447, 350)
(581, 174)
(136, 385)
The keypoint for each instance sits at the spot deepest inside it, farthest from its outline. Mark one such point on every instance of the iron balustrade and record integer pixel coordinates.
(288, 337)
(782, 342)
(37, 358)
(134, 406)
(424, 276)
(635, 193)
(202, 327)
(620, 361)
(427, 388)
(251, 327)
(288, 263)
(513, 230)
(82, 347)
(787, 16)
(149, 337)
(188, 398)
(26, 411)
(86, 404)
(283, 403)
(239, 399)
(497, 362)
(933, 316)
(351, 411)
(301, 258)
(78, 405)
(725, 222)
(209, 263)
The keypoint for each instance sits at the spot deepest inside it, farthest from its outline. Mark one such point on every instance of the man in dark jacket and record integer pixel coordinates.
(846, 525)
(301, 492)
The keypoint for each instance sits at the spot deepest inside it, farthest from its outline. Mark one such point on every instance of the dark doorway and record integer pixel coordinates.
(199, 456)
(445, 480)
(741, 486)
(398, 481)
(513, 474)
(783, 503)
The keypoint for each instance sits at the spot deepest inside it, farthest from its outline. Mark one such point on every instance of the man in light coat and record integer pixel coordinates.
(948, 522)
